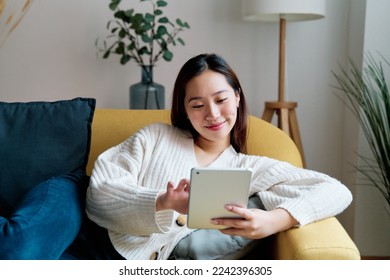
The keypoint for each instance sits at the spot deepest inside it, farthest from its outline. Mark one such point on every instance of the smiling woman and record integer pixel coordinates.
(11, 13)
(139, 189)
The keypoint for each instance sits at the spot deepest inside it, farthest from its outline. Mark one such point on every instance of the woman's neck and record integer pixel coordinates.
(207, 152)
(212, 147)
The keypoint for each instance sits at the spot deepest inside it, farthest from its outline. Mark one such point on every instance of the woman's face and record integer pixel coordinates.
(211, 106)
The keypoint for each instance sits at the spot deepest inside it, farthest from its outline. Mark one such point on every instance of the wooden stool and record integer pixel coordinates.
(287, 121)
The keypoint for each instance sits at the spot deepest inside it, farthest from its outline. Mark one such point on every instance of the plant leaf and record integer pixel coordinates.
(149, 18)
(114, 4)
(163, 20)
(146, 38)
(162, 30)
(106, 54)
(143, 50)
(182, 24)
(161, 3)
(120, 49)
(167, 55)
(122, 33)
(179, 22)
(158, 12)
(124, 59)
(181, 41)
(129, 13)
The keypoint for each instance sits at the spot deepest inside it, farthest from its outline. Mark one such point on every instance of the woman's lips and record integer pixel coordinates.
(215, 127)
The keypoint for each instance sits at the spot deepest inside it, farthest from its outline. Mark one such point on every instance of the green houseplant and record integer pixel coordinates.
(145, 38)
(367, 96)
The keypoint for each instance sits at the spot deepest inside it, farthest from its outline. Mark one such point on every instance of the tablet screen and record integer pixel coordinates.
(211, 189)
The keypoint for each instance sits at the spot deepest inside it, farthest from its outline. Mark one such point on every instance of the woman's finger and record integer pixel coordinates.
(183, 184)
(245, 213)
(231, 223)
(170, 186)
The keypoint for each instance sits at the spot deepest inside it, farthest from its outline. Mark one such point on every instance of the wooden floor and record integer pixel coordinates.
(375, 258)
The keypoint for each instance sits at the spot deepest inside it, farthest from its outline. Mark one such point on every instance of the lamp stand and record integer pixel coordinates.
(287, 118)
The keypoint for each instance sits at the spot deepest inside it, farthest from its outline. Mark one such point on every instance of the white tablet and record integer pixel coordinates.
(211, 189)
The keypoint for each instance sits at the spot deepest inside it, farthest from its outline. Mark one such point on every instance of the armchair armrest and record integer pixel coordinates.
(325, 239)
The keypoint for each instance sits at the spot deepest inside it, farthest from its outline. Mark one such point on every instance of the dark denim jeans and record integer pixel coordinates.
(92, 243)
(46, 220)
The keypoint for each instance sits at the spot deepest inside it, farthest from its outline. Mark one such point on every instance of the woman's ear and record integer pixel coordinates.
(237, 98)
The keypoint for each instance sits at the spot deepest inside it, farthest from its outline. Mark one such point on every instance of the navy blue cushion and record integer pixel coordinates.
(40, 140)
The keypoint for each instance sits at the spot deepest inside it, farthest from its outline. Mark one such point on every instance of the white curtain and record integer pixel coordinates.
(11, 13)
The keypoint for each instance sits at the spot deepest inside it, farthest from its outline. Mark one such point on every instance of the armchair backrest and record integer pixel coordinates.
(112, 126)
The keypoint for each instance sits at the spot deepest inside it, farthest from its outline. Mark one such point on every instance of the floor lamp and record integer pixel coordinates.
(282, 11)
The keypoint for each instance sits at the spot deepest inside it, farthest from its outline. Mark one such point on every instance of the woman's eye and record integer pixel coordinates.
(222, 100)
(197, 106)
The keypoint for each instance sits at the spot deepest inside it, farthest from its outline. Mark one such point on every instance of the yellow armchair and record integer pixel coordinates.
(325, 239)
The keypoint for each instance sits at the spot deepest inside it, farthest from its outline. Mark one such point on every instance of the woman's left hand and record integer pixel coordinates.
(255, 223)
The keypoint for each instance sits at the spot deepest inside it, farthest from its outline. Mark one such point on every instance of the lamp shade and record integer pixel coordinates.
(291, 10)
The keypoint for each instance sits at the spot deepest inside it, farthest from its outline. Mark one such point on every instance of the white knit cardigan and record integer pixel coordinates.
(127, 179)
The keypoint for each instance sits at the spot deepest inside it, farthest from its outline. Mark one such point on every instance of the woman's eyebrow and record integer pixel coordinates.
(213, 94)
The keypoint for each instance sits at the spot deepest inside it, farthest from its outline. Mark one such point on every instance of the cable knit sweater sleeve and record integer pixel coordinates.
(115, 198)
(307, 195)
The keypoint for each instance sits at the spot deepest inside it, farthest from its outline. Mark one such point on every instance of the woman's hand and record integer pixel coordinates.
(255, 223)
(174, 198)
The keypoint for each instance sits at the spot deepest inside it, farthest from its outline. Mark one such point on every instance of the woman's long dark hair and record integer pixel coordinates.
(194, 67)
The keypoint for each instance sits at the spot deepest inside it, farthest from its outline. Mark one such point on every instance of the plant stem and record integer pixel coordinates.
(153, 34)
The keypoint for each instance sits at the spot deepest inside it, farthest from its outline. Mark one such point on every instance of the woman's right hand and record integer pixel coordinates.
(174, 198)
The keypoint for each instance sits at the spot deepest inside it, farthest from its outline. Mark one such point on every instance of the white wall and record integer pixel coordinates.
(52, 56)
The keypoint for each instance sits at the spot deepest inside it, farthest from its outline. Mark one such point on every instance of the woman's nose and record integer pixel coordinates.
(213, 112)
